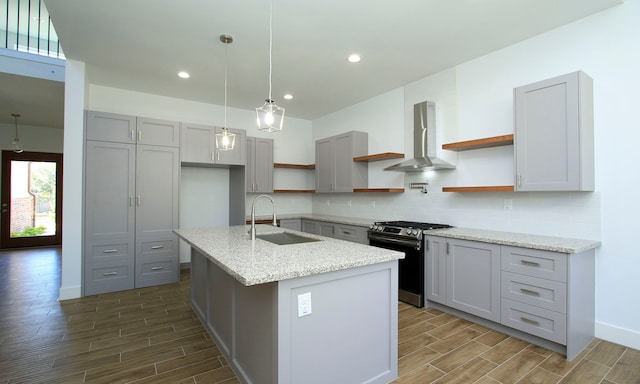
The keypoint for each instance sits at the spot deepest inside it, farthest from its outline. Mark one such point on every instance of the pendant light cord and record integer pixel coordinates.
(270, 42)
(225, 83)
(15, 118)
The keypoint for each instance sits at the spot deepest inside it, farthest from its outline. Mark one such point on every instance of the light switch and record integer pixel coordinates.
(304, 304)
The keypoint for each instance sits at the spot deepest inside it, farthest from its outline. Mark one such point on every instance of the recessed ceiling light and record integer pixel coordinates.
(288, 96)
(183, 74)
(354, 58)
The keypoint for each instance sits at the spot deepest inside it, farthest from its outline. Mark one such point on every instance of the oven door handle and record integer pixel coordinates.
(391, 240)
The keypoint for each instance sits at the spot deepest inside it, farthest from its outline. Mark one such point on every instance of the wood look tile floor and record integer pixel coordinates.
(151, 335)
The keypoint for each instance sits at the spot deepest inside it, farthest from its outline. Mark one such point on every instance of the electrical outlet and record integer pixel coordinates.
(304, 304)
(349, 203)
(508, 204)
(373, 204)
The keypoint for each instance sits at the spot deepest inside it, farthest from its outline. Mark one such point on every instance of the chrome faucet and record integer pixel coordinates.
(252, 230)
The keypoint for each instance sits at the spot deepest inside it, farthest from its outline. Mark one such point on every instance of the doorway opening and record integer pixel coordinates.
(31, 199)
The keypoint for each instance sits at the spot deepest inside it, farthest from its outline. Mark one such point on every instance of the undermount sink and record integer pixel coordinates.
(285, 238)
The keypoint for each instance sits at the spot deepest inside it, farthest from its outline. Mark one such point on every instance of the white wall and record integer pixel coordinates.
(605, 46)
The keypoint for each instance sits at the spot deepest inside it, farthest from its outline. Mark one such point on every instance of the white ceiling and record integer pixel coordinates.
(141, 45)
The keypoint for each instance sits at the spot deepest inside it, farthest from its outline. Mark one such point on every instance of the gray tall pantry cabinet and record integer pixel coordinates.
(132, 174)
(554, 138)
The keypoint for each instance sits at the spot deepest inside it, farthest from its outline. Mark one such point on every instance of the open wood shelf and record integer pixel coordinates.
(293, 191)
(490, 188)
(387, 190)
(496, 141)
(295, 166)
(380, 156)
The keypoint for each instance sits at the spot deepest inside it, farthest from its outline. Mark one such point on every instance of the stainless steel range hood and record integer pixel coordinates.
(424, 142)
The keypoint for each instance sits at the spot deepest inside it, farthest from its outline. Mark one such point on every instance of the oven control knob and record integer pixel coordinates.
(372, 226)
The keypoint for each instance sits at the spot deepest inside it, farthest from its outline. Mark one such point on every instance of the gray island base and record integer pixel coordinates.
(317, 312)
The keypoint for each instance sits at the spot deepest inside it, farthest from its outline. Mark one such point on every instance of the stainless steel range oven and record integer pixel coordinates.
(407, 237)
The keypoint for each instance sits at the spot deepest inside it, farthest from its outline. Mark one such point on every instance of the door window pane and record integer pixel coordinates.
(33, 198)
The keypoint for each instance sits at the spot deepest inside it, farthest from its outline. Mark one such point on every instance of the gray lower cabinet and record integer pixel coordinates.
(544, 297)
(321, 228)
(293, 224)
(259, 165)
(199, 146)
(554, 138)
(131, 209)
(464, 275)
(335, 230)
(335, 169)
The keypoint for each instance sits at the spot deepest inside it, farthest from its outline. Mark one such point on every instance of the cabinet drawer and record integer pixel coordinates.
(351, 233)
(155, 271)
(108, 278)
(157, 246)
(551, 295)
(536, 263)
(537, 321)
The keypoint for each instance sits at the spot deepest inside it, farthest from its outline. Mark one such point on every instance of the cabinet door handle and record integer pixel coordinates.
(529, 292)
(529, 321)
(138, 200)
(110, 273)
(447, 248)
(157, 268)
(133, 135)
(530, 263)
(139, 135)
(157, 247)
(519, 180)
(110, 251)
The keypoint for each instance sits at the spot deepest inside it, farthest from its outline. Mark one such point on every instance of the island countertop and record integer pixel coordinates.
(259, 261)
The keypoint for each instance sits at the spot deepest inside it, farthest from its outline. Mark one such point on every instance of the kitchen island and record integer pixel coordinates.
(314, 312)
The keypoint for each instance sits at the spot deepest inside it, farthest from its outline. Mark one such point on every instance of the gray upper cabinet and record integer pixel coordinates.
(102, 126)
(199, 146)
(259, 167)
(554, 139)
(157, 132)
(464, 275)
(131, 205)
(335, 169)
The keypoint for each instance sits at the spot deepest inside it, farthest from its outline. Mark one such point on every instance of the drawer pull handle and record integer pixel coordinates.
(529, 292)
(110, 273)
(157, 268)
(110, 251)
(530, 321)
(531, 263)
(346, 232)
(157, 247)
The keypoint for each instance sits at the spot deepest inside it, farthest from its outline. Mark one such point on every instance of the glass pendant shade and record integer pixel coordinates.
(225, 140)
(270, 116)
(17, 147)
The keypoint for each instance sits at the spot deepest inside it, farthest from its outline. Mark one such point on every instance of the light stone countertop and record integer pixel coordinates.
(546, 243)
(259, 261)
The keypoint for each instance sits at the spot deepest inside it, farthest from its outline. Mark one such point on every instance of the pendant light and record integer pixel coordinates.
(17, 148)
(225, 140)
(270, 116)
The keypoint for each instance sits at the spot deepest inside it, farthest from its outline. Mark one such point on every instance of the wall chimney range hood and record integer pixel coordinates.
(424, 142)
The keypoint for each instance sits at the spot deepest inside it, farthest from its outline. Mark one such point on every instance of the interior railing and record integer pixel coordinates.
(25, 25)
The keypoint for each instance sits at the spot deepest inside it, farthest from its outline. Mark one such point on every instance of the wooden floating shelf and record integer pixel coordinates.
(293, 191)
(491, 188)
(496, 141)
(385, 190)
(296, 166)
(380, 156)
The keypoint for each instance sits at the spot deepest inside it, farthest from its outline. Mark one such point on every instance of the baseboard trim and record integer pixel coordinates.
(617, 335)
(68, 293)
